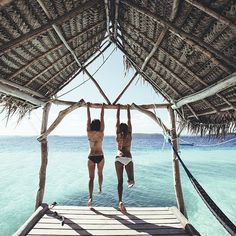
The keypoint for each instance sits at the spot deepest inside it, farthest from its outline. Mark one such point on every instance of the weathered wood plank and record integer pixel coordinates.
(64, 232)
(111, 208)
(110, 212)
(116, 217)
(143, 225)
(110, 221)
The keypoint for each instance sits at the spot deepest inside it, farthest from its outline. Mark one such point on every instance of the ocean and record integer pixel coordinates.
(211, 163)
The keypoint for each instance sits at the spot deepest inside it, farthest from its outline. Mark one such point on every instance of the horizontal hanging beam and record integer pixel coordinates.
(111, 106)
(8, 90)
(74, 105)
(228, 82)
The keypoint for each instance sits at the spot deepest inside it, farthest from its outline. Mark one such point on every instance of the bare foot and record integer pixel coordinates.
(100, 189)
(130, 183)
(90, 203)
(122, 208)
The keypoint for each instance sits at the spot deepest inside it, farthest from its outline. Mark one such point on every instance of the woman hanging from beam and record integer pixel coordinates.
(95, 133)
(124, 157)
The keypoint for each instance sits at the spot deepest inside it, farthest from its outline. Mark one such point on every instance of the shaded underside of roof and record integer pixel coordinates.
(179, 47)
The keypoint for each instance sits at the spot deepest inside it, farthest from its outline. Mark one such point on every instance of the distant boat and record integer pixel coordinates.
(187, 144)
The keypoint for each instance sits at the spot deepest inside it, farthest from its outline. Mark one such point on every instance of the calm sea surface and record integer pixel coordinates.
(214, 166)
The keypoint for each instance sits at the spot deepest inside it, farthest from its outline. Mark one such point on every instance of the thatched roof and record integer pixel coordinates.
(180, 48)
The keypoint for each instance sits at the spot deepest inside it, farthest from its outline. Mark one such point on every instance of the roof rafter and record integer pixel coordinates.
(175, 8)
(60, 35)
(107, 17)
(34, 33)
(182, 65)
(9, 90)
(212, 13)
(211, 112)
(116, 17)
(147, 59)
(22, 88)
(177, 78)
(86, 65)
(227, 82)
(159, 77)
(58, 60)
(53, 50)
(192, 40)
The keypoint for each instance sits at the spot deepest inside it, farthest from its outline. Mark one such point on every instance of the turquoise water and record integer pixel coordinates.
(213, 166)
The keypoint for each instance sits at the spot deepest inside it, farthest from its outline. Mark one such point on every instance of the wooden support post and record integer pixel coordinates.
(176, 173)
(44, 157)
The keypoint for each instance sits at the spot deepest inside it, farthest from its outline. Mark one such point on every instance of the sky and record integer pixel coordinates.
(112, 79)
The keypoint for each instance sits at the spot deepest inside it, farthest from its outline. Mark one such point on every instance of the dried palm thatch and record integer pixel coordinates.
(179, 47)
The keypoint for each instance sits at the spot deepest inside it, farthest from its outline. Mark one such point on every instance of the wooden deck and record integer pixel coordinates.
(75, 220)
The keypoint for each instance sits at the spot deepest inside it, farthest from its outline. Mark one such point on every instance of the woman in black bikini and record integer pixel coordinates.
(95, 132)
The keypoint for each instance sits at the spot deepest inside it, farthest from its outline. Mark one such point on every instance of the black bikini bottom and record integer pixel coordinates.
(96, 159)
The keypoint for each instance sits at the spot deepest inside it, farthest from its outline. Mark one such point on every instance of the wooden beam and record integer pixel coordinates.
(37, 32)
(61, 115)
(86, 65)
(153, 117)
(174, 11)
(156, 45)
(107, 17)
(110, 106)
(22, 88)
(211, 112)
(60, 35)
(44, 157)
(160, 78)
(192, 40)
(224, 84)
(184, 222)
(58, 61)
(116, 18)
(97, 85)
(126, 87)
(212, 13)
(81, 103)
(53, 50)
(183, 66)
(175, 162)
(32, 221)
(147, 59)
(176, 77)
(12, 91)
(149, 80)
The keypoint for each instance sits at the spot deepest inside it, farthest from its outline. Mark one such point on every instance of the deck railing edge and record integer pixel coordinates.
(32, 220)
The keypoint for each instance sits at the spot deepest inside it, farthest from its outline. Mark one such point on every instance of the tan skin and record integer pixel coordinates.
(95, 142)
(123, 146)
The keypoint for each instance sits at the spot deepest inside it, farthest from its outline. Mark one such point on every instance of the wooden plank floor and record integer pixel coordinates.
(108, 221)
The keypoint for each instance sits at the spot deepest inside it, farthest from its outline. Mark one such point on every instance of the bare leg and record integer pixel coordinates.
(130, 173)
(100, 166)
(119, 173)
(91, 169)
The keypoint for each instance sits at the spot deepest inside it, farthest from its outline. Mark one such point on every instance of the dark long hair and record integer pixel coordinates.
(123, 129)
(95, 125)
